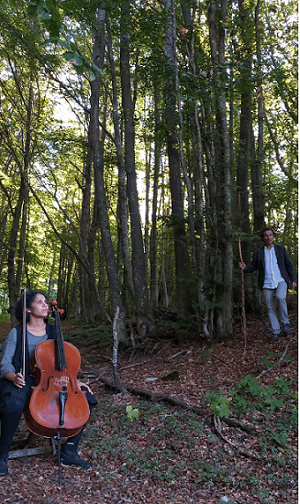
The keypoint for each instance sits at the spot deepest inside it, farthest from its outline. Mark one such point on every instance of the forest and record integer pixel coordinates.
(144, 145)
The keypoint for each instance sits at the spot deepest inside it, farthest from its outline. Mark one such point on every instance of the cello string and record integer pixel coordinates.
(62, 363)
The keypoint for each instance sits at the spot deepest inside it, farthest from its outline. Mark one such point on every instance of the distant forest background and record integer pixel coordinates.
(140, 143)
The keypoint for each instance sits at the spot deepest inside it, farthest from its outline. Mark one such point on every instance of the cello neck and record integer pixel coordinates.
(60, 350)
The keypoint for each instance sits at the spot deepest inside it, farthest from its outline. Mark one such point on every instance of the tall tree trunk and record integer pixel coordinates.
(122, 193)
(90, 301)
(199, 264)
(144, 317)
(14, 277)
(244, 151)
(256, 166)
(100, 196)
(184, 280)
(224, 265)
(153, 234)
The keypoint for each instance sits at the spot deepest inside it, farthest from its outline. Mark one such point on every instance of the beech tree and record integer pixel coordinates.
(195, 99)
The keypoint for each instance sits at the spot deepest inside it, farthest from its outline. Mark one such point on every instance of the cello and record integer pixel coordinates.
(56, 406)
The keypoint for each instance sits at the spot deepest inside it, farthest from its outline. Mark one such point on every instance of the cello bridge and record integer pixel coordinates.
(61, 382)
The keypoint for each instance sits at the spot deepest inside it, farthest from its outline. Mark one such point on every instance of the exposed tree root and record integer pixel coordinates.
(275, 365)
(217, 424)
(174, 401)
(151, 396)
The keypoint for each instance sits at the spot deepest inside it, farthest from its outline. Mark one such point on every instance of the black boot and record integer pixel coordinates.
(9, 425)
(3, 465)
(69, 456)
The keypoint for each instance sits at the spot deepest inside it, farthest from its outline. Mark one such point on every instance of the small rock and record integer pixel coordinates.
(226, 500)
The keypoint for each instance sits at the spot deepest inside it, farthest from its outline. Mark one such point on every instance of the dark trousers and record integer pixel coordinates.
(12, 405)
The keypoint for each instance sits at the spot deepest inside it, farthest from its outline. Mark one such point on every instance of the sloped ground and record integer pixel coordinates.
(156, 452)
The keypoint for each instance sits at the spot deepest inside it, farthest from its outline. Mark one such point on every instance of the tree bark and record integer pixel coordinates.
(122, 193)
(184, 280)
(256, 167)
(144, 317)
(224, 254)
(100, 195)
(244, 151)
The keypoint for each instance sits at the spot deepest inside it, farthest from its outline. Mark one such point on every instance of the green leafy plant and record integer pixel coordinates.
(249, 394)
(219, 405)
(132, 414)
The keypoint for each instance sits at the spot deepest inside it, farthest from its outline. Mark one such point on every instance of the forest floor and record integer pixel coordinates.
(151, 451)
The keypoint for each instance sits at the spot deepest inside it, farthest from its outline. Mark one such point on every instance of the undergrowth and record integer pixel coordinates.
(166, 444)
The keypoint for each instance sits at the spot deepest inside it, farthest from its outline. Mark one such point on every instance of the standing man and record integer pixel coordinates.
(275, 270)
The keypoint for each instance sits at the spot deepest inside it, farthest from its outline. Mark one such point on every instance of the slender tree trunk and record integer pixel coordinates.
(100, 196)
(122, 194)
(145, 322)
(224, 265)
(14, 276)
(184, 281)
(153, 234)
(91, 304)
(256, 167)
(199, 232)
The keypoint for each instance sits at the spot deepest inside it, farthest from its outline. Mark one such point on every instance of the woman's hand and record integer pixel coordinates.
(16, 378)
(82, 384)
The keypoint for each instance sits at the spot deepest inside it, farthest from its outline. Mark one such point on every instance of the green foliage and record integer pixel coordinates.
(219, 405)
(132, 413)
(250, 394)
(79, 334)
(49, 41)
(172, 376)
(205, 354)
(48, 13)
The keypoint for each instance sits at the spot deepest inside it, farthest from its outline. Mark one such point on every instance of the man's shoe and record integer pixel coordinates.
(286, 330)
(274, 337)
(72, 458)
(3, 467)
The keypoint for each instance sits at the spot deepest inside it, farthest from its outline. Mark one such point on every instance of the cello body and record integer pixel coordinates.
(56, 405)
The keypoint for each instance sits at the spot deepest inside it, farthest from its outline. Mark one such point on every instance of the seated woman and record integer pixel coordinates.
(14, 388)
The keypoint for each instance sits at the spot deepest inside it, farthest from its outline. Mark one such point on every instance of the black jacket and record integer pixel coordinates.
(283, 260)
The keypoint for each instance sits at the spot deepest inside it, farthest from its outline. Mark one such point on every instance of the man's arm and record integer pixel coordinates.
(250, 268)
(290, 269)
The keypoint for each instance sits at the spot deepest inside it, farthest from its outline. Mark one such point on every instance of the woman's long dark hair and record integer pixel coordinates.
(30, 295)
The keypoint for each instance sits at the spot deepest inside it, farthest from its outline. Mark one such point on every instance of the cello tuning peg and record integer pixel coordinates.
(53, 307)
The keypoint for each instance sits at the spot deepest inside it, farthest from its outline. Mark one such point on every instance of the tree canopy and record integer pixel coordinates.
(139, 140)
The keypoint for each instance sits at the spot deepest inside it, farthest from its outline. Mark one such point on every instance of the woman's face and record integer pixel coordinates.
(39, 307)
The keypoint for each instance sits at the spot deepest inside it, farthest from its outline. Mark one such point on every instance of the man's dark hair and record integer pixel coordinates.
(266, 229)
(30, 295)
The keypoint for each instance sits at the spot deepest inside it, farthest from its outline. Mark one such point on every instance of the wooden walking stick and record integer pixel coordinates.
(244, 321)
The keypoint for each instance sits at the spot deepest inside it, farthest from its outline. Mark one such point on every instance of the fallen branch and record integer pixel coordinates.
(174, 401)
(275, 365)
(135, 364)
(218, 358)
(27, 452)
(217, 424)
(151, 396)
(238, 425)
(186, 352)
